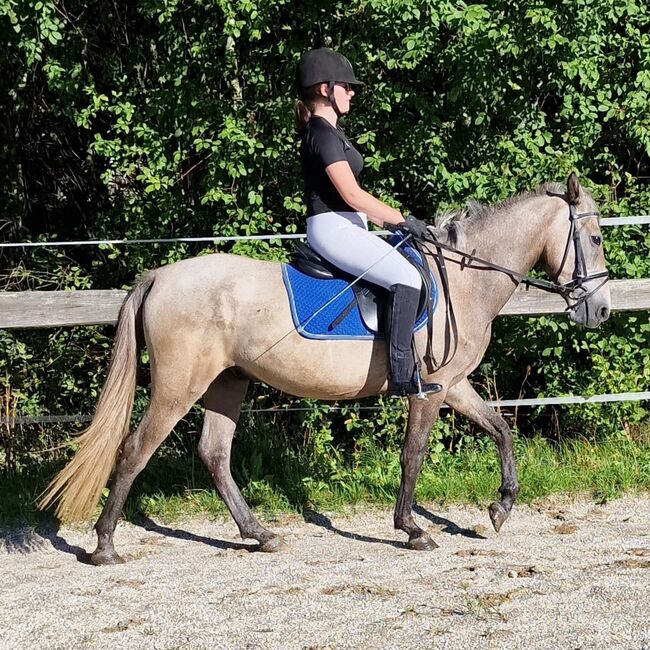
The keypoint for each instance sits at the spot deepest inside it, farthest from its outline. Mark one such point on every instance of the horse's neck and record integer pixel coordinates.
(513, 238)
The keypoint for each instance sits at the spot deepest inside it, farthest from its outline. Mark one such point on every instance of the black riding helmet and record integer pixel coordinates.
(325, 66)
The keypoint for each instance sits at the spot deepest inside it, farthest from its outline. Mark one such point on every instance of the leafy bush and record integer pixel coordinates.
(169, 118)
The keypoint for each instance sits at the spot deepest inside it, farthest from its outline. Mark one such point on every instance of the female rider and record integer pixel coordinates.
(338, 209)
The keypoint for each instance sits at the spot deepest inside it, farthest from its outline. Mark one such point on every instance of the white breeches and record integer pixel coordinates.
(343, 239)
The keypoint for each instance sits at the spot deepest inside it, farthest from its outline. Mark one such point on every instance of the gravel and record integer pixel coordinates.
(563, 573)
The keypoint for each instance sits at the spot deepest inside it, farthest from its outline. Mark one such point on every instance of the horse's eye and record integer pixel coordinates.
(597, 240)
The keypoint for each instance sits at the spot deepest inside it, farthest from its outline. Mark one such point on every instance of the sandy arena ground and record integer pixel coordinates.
(562, 574)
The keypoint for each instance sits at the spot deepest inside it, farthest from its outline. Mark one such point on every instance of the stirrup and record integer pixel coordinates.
(415, 387)
(425, 388)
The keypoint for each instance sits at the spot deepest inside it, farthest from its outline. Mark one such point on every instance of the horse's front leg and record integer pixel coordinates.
(465, 400)
(422, 415)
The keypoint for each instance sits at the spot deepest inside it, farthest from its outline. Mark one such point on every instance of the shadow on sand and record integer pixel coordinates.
(445, 526)
(448, 527)
(319, 519)
(31, 539)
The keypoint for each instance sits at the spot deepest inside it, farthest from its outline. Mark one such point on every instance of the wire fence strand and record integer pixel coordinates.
(504, 403)
(612, 221)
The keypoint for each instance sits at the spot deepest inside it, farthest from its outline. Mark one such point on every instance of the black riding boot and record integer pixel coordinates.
(403, 374)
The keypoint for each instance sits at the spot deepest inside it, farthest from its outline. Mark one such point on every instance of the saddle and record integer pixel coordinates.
(372, 301)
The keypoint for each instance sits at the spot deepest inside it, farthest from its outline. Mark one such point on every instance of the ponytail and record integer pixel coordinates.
(301, 114)
(304, 106)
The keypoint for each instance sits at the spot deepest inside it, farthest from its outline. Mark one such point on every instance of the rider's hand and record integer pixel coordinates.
(413, 226)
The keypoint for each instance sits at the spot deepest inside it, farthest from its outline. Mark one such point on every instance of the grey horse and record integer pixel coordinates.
(212, 324)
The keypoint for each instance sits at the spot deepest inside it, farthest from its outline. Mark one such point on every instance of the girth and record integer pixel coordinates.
(371, 299)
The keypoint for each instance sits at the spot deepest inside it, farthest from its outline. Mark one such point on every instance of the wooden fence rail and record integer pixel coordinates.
(31, 309)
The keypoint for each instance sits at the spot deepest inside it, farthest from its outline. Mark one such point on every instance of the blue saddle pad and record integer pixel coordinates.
(307, 295)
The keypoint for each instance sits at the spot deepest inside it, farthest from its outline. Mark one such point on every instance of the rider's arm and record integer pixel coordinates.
(346, 185)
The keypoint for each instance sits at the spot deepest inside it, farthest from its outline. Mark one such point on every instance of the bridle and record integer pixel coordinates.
(580, 273)
(567, 289)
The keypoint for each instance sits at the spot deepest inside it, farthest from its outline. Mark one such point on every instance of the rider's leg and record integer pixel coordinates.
(342, 238)
(403, 378)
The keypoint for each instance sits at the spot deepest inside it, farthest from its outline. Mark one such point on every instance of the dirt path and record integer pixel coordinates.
(561, 574)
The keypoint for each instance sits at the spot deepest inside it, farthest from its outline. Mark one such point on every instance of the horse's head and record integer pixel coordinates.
(573, 257)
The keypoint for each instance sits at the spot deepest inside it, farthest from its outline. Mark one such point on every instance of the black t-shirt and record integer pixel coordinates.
(323, 144)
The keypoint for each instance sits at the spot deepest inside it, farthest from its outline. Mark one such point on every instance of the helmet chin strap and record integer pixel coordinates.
(330, 96)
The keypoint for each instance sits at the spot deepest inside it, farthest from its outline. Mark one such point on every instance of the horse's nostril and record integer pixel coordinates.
(604, 313)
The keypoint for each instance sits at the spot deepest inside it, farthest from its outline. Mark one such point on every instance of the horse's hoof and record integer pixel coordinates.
(274, 545)
(105, 558)
(498, 514)
(421, 542)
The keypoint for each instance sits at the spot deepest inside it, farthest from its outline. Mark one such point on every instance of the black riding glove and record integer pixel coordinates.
(413, 226)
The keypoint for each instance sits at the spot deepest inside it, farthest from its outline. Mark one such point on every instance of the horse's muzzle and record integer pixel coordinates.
(595, 310)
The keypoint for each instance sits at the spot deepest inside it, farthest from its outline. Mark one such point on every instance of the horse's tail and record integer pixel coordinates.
(79, 485)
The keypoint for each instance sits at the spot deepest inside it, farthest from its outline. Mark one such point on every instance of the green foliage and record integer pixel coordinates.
(169, 118)
(174, 484)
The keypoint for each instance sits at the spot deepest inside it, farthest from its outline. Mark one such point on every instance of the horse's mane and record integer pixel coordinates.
(450, 226)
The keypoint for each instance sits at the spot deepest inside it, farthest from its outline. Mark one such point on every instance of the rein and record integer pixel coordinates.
(451, 327)
(566, 290)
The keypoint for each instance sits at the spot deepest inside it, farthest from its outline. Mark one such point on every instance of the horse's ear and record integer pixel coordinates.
(573, 189)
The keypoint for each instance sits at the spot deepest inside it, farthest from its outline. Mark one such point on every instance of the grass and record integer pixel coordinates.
(283, 482)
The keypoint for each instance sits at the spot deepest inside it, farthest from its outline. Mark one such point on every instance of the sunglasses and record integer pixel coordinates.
(345, 85)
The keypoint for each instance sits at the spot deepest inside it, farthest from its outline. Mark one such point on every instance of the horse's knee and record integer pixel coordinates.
(205, 451)
(216, 460)
(506, 434)
(500, 433)
(212, 444)
(502, 426)
(413, 454)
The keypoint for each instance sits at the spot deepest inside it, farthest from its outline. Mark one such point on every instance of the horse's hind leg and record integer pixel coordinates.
(223, 404)
(156, 424)
(464, 399)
